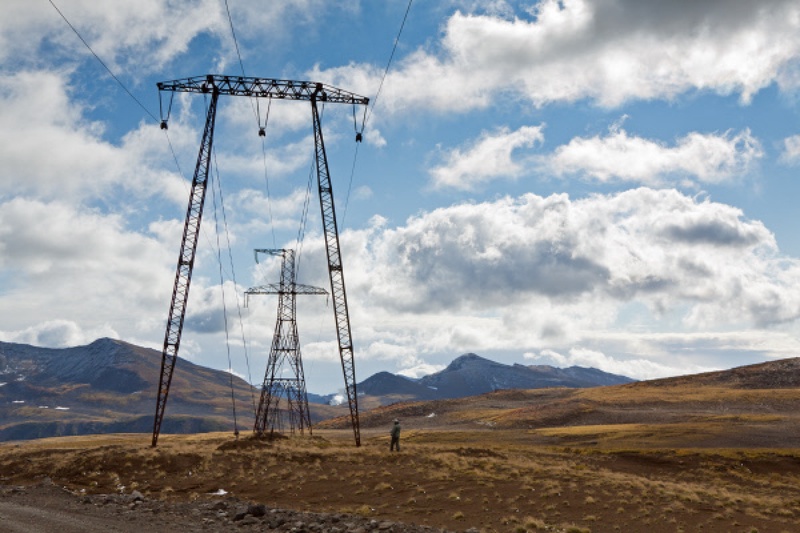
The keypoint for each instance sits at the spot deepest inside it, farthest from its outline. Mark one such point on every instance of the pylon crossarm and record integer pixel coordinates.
(263, 88)
(275, 288)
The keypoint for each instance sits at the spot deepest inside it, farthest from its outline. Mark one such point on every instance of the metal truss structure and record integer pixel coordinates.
(284, 377)
(183, 275)
(215, 85)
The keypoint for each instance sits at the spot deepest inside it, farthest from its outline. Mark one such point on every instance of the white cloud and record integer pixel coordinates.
(321, 351)
(420, 370)
(64, 263)
(654, 355)
(706, 158)
(38, 116)
(259, 212)
(585, 357)
(141, 34)
(660, 246)
(58, 334)
(488, 158)
(362, 192)
(791, 150)
(607, 51)
(134, 36)
(535, 273)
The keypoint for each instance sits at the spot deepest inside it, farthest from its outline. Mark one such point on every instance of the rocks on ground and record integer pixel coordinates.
(230, 514)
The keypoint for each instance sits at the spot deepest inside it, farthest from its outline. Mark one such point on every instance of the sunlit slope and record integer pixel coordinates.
(110, 386)
(753, 406)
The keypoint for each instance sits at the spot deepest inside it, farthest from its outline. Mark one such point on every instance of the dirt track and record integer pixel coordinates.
(45, 508)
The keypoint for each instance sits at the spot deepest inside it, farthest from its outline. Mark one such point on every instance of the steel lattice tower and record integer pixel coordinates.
(318, 94)
(284, 377)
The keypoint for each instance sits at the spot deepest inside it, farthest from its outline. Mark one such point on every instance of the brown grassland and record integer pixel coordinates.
(632, 458)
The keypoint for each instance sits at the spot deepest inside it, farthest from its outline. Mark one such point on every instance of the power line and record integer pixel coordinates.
(119, 82)
(372, 107)
(235, 283)
(257, 112)
(235, 41)
(389, 63)
(224, 306)
(124, 88)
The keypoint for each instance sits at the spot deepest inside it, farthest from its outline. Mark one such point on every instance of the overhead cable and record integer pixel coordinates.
(124, 88)
(372, 107)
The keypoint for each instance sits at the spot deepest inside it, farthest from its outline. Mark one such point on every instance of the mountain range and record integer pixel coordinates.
(471, 374)
(109, 386)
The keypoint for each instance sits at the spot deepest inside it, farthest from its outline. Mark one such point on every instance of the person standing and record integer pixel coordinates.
(395, 436)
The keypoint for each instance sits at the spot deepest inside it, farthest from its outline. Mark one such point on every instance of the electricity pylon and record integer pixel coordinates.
(284, 377)
(215, 85)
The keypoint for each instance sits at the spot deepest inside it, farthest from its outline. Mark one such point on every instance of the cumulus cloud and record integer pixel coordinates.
(37, 113)
(791, 150)
(62, 262)
(649, 355)
(585, 357)
(656, 245)
(58, 334)
(488, 158)
(420, 370)
(144, 34)
(607, 51)
(619, 157)
(536, 273)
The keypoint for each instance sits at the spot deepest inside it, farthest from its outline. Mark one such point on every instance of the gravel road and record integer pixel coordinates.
(46, 508)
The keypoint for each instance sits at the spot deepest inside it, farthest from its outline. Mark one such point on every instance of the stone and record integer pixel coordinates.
(248, 521)
(257, 509)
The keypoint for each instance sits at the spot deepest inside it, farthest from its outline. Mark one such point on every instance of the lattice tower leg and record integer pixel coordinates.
(183, 275)
(338, 293)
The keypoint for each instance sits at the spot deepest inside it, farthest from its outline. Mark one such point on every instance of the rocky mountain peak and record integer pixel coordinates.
(467, 360)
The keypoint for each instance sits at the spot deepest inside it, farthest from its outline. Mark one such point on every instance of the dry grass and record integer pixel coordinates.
(492, 480)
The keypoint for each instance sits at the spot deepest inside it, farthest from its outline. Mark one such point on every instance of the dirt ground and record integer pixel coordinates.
(478, 480)
(46, 508)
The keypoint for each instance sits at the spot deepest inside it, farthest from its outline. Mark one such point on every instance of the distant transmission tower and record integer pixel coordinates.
(284, 378)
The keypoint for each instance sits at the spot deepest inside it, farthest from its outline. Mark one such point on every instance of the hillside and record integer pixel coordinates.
(754, 406)
(110, 386)
(710, 452)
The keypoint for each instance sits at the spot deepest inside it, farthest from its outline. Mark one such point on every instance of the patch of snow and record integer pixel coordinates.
(44, 407)
(21, 378)
(431, 415)
(218, 492)
(18, 401)
(338, 399)
(2, 384)
(434, 388)
(62, 408)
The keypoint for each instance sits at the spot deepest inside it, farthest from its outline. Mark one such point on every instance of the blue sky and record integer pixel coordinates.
(607, 183)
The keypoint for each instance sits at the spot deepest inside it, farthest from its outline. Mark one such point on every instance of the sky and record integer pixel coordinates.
(604, 183)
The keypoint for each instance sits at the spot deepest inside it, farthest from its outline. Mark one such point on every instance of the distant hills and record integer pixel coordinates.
(109, 386)
(471, 374)
(753, 406)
